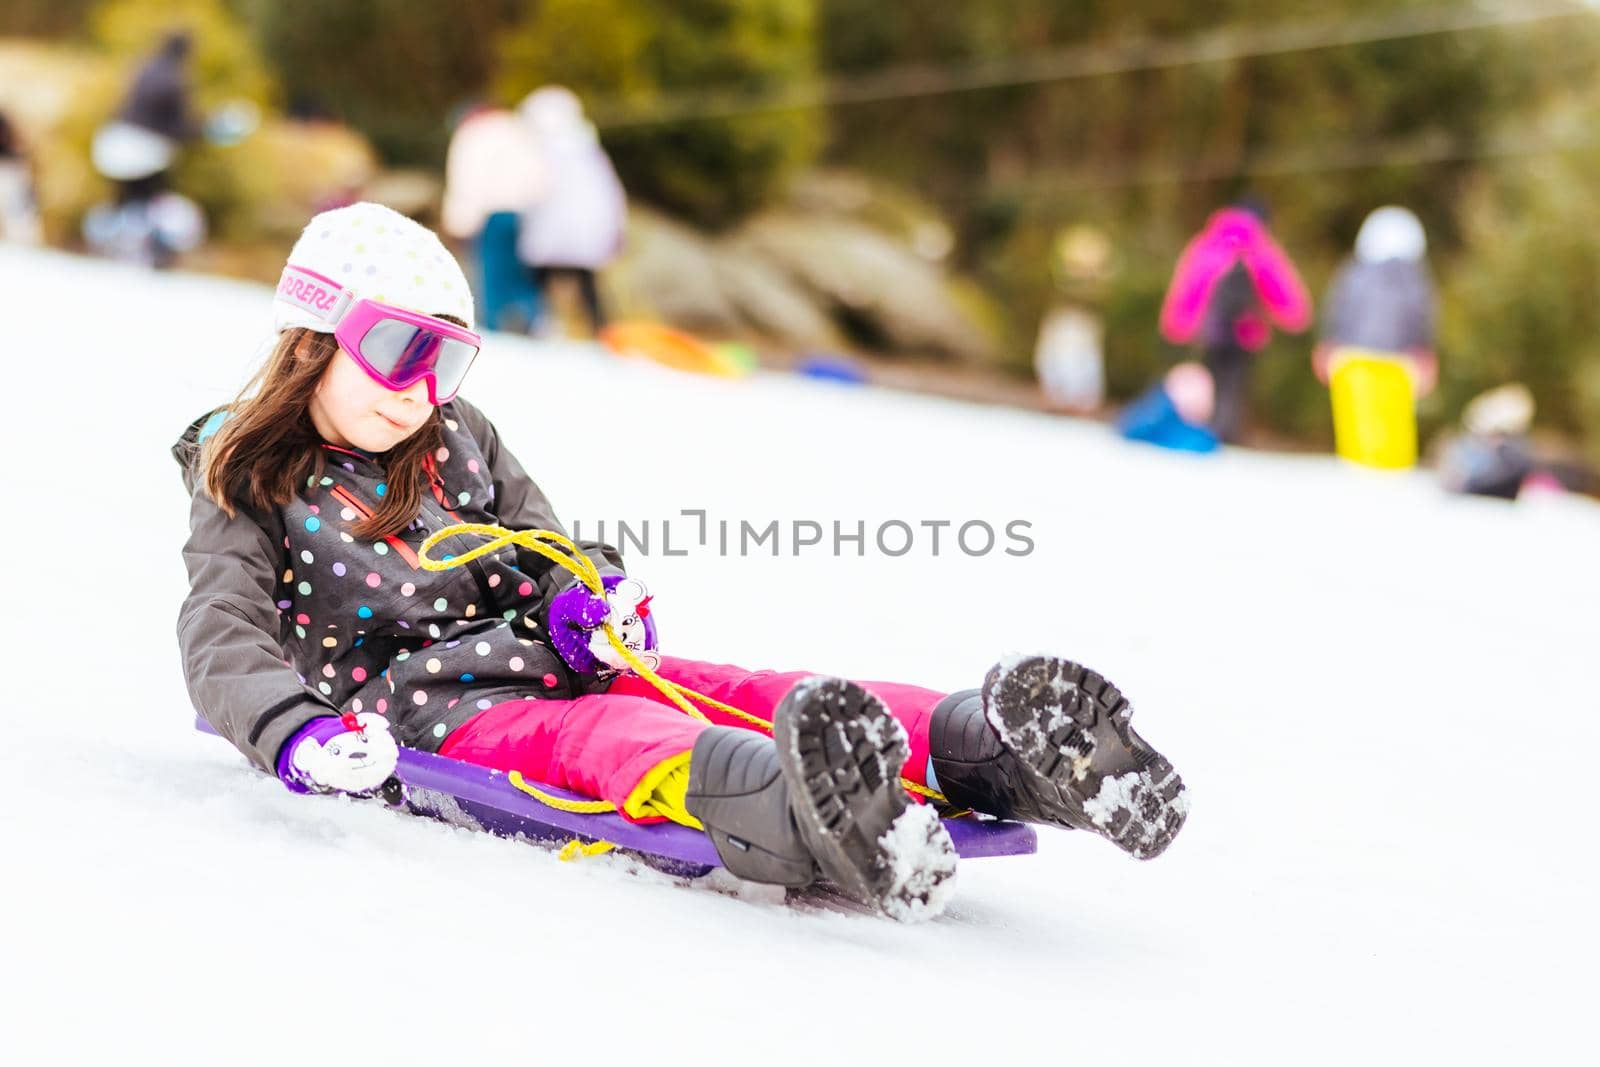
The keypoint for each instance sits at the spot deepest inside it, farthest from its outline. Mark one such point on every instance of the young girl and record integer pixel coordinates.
(311, 631)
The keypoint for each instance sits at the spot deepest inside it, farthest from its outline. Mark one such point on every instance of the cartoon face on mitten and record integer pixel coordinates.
(354, 761)
(630, 618)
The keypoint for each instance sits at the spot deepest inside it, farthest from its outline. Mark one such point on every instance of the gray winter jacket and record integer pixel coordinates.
(290, 617)
(1383, 307)
(158, 100)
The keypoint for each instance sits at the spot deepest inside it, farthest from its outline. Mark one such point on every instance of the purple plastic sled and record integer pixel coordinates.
(465, 794)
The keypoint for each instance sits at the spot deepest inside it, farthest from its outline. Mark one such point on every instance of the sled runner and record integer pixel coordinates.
(464, 794)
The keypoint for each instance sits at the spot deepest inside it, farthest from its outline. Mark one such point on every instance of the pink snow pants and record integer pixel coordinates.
(602, 745)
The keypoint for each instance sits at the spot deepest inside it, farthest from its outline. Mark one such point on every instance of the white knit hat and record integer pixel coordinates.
(375, 253)
(1391, 233)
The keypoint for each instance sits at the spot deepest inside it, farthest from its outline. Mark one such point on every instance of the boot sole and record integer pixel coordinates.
(1070, 730)
(842, 752)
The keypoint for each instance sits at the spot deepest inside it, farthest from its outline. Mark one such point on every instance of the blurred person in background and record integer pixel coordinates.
(577, 227)
(19, 216)
(147, 223)
(1382, 299)
(1069, 356)
(1493, 456)
(1231, 285)
(1174, 413)
(158, 104)
(1376, 350)
(493, 176)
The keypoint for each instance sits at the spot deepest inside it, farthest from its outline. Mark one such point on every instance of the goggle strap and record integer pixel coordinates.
(317, 296)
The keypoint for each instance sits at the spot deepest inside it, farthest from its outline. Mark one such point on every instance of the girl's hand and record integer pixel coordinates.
(1424, 366)
(347, 754)
(577, 618)
(1322, 361)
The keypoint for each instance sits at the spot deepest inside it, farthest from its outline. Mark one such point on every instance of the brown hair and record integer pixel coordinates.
(268, 448)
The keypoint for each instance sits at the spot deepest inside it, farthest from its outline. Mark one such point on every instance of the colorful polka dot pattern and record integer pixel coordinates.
(373, 631)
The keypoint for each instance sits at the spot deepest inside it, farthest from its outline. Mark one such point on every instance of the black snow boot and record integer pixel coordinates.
(738, 792)
(1049, 741)
(823, 796)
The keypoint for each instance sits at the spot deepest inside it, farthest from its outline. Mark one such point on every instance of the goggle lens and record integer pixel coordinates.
(403, 353)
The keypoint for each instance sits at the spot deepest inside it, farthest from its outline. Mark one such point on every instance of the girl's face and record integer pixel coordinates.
(350, 409)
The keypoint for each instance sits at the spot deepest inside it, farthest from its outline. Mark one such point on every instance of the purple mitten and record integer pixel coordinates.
(576, 616)
(344, 754)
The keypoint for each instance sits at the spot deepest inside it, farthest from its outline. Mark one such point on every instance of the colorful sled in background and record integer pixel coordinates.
(1374, 409)
(831, 367)
(464, 794)
(675, 349)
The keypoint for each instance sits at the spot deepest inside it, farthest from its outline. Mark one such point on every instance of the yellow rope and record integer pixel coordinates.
(575, 848)
(921, 790)
(562, 551)
(577, 807)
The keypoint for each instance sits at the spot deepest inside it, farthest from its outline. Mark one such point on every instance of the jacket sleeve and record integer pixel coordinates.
(1424, 305)
(1337, 310)
(521, 505)
(1183, 310)
(1282, 292)
(228, 635)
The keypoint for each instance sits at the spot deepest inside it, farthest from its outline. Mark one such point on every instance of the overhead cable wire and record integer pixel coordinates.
(1428, 150)
(1091, 60)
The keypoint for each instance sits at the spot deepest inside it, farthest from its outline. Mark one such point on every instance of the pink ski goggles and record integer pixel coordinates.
(397, 348)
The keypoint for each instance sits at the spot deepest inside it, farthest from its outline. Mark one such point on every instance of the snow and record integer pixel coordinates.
(1362, 681)
(1118, 794)
(884, 733)
(922, 863)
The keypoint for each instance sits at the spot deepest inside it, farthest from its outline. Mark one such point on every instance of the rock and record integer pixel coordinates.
(882, 291)
(411, 191)
(669, 272)
(813, 280)
(883, 206)
(769, 300)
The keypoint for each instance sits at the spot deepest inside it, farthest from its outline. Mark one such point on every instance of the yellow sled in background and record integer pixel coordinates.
(1374, 408)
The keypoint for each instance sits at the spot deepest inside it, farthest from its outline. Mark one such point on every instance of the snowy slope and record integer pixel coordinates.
(1381, 698)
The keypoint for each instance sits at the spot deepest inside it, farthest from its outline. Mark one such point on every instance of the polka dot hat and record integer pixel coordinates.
(378, 254)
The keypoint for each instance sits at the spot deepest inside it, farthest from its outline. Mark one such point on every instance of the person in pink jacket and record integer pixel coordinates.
(316, 642)
(1231, 285)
